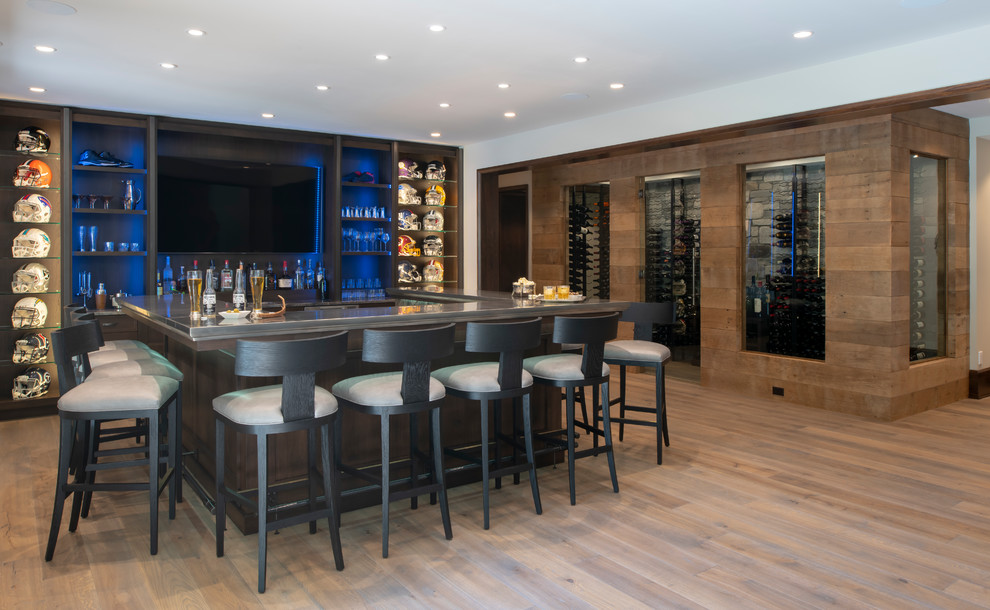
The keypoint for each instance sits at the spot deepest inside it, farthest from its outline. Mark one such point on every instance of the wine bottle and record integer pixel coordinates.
(226, 277)
(322, 287)
(159, 287)
(169, 281)
(216, 278)
(310, 274)
(180, 284)
(284, 279)
(299, 281)
(240, 300)
(209, 293)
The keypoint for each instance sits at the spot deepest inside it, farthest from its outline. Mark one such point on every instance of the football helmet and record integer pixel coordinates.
(436, 195)
(433, 221)
(31, 243)
(33, 173)
(435, 170)
(433, 245)
(407, 246)
(32, 383)
(408, 196)
(29, 312)
(408, 273)
(407, 170)
(31, 277)
(32, 208)
(32, 139)
(31, 349)
(433, 271)
(408, 221)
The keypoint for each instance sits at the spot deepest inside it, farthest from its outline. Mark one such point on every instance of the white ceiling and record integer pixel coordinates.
(261, 56)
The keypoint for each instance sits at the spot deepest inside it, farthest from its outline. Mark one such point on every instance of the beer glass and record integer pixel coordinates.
(194, 281)
(257, 290)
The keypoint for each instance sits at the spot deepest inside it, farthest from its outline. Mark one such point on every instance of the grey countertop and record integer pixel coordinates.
(170, 314)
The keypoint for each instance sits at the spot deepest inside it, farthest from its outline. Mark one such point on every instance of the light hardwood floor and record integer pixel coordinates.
(757, 505)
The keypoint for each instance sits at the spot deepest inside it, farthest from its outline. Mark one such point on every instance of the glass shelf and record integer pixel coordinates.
(359, 253)
(37, 223)
(424, 231)
(359, 219)
(8, 293)
(30, 258)
(373, 185)
(33, 155)
(426, 205)
(10, 327)
(33, 189)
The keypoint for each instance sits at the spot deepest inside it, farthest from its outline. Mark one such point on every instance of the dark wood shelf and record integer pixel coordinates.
(111, 211)
(110, 169)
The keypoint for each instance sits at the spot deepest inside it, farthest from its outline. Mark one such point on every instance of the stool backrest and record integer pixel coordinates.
(645, 315)
(296, 362)
(414, 349)
(70, 345)
(509, 340)
(592, 332)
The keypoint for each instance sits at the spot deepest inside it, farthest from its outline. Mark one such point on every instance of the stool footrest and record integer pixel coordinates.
(313, 515)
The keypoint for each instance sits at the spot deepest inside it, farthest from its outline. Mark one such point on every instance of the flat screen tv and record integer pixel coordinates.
(224, 206)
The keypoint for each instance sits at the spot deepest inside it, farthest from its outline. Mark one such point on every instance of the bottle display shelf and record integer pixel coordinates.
(110, 170)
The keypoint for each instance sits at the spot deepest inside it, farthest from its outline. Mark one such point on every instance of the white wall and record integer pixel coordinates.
(953, 59)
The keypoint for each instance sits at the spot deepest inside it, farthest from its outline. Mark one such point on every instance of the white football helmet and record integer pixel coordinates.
(29, 312)
(32, 383)
(408, 196)
(433, 221)
(408, 221)
(433, 271)
(435, 170)
(31, 349)
(432, 245)
(31, 243)
(31, 277)
(436, 195)
(408, 274)
(32, 208)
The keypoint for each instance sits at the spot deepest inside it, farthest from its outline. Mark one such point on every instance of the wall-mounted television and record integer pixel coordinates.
(228, 206)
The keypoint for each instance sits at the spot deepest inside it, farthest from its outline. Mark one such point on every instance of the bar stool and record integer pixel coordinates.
(295, 404)
(570, 371)
(493, 381)
(642, 351)
(81, 404)
(411, 391)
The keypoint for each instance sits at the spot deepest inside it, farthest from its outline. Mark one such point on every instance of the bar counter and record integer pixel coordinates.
(203, 351)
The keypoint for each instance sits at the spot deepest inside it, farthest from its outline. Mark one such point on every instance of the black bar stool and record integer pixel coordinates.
(642, 351)
(295, 404)
(485, 381)
(570, 371)
(411, 391)
(83, 403)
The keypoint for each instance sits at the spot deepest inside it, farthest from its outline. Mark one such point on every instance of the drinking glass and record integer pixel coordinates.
(194, 281)
(564, 292)
(108, 246)
(549, 293)
(257, 277)
(82, 238)
(92, 238)
(122, 246)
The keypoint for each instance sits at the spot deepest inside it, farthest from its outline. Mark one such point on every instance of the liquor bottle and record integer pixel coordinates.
(299, 280)
(216, 278)
(284, 279)
(269, 277)
(209, 293)
(180, 284)
(159, 288)
(169, 281)
(322, 287)
(310, 275)
(240, 301)
(226, 277)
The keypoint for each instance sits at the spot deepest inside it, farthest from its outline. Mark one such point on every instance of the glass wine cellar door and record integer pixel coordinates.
(785, 258)
(927, 267)
(673, 250)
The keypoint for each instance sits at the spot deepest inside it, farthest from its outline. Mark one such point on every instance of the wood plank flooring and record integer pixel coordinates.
(757, 505)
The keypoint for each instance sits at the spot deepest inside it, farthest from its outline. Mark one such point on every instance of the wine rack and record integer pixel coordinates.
(925, 292)
(588, 240)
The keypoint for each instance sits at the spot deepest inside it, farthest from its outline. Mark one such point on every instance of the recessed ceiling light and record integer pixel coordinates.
(322, 87)
(444, 105)
(437, 28)
(381, 57)
(580, 60)
(503, 85)
(44, 49)
(267, 115)
(510, 115)
(435, 134)
(195, 32)
(168, 66)
(803, 34)
(616, 86)
(37, 89)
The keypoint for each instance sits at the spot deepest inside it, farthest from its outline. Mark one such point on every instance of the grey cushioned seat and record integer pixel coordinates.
(263, 406)
(562, 367)
(124, 344)
(479, 377)
(630, 349)
(132, 393)
(125, 368)
(379, 390)
(99, 357)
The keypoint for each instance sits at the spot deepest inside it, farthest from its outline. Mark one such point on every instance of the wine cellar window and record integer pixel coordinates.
(588, 239)
(785, 258)
(927, 266)
(673, 250)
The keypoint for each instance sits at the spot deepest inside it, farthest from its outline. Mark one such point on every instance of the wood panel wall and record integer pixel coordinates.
(866, 370)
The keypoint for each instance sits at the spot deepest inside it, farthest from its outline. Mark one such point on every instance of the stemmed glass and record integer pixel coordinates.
(385, 238)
